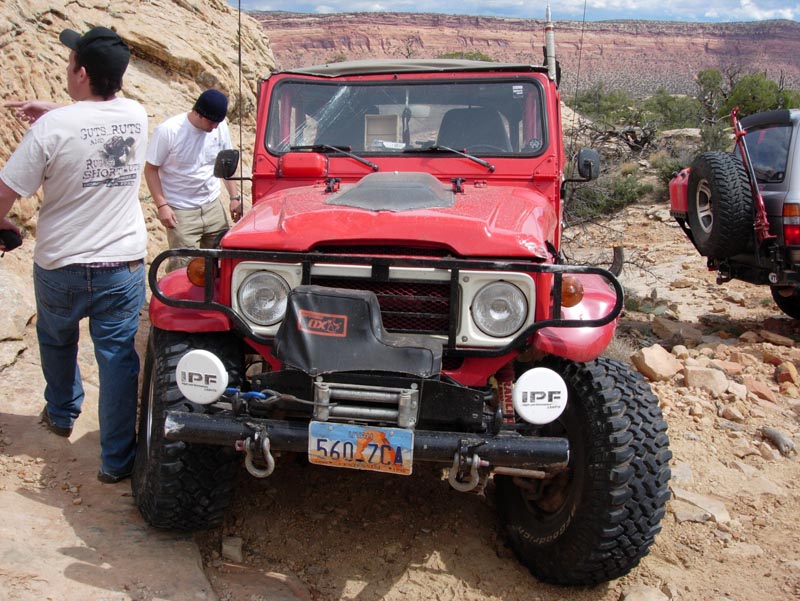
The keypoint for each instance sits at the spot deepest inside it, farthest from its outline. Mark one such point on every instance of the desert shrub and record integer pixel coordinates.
(621, 349)
(340, 57)
(667, 163)
(715, 137)
(668, 111)
(790, 99)
(628, 168)
(627, 189)
(607, 195)
(753, 93)
(609, 106)
(471, 55)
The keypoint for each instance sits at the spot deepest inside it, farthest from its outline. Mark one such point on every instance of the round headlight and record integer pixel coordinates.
(262, 298)
(499, 309)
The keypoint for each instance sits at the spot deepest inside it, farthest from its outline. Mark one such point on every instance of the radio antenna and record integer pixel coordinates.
(577, 82)
(239, 103)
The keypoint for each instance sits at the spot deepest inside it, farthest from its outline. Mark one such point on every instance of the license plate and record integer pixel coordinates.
(388, 450)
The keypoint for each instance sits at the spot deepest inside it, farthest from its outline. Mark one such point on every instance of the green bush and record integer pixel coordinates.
(715, 137)
(607, 195)
(340, 57)
(472, 55)
(626, 190)
(753, 93)
(667, 111)
(668, 163)
(614, 106)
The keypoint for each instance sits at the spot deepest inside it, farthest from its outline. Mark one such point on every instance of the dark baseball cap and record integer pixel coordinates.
(101, 51)
(212, 105)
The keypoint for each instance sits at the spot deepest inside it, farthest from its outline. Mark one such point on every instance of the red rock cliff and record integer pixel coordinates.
(638, 56)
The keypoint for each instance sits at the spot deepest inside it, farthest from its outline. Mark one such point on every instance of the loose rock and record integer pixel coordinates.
(656, 363)
(781, 440)
(711, 380)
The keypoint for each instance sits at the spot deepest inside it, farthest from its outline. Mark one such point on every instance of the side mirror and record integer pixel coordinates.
(226, 164)
(588, 164)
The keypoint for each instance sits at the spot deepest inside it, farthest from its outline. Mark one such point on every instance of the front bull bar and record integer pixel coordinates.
(499, 450)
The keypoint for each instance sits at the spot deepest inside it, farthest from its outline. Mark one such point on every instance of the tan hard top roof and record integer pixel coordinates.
(377, 66)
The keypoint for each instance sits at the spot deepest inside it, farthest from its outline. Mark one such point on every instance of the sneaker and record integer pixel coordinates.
(109, 479)
(57, 430)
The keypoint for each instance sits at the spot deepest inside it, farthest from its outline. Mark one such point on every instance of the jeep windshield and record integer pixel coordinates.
(477, 117)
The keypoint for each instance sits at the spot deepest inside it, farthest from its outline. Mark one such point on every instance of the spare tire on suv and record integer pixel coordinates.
(720, 205)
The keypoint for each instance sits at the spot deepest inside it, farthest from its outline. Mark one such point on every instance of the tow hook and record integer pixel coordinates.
(258, 443)
(464, 476)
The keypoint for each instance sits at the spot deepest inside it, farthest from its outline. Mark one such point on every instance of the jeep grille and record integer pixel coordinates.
(406, 307)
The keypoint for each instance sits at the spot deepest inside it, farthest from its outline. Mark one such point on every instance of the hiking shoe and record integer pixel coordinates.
(109, 479)
(45, 419)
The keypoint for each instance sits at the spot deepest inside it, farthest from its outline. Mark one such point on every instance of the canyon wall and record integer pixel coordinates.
(637, 56)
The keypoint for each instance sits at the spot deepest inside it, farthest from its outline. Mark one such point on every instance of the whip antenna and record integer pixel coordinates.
(241, 100)
(577, 82)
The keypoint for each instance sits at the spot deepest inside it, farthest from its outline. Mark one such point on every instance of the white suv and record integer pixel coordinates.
(747, 220)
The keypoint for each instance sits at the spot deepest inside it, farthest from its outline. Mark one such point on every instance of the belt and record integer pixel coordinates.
(105, 265)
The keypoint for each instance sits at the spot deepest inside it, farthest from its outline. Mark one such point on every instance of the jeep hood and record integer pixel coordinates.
(403, 209)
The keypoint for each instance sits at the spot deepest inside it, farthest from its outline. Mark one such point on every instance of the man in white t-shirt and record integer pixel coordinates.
(91, 238)
(180, 174)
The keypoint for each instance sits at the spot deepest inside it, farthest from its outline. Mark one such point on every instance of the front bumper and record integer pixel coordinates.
(501, 450)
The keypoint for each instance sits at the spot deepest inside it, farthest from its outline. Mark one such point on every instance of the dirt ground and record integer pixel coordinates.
(313, 533)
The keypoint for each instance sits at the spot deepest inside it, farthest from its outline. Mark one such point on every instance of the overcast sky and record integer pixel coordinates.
(563, 10)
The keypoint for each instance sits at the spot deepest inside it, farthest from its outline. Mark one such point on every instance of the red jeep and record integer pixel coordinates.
(397, 295)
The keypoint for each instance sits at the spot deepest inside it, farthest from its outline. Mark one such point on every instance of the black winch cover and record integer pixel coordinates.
(330, 330)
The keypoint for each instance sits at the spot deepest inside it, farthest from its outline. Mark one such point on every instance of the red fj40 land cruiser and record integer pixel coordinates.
(397, 295)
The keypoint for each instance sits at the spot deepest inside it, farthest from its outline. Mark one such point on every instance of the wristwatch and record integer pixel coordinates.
(237, 197)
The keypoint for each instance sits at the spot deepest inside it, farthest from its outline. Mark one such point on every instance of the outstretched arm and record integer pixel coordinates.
(31, 110)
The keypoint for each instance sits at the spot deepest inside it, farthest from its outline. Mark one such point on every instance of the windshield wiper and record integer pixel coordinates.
(439, 148)
(345, 150)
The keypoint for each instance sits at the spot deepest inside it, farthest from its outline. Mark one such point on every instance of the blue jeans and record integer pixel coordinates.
(111, 297)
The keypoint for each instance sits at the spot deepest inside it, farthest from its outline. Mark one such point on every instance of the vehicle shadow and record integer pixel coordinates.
(708, 328)
(362, 536)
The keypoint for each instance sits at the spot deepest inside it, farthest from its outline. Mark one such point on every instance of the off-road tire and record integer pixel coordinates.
(720, 205)
(596, 520)
(176, 485)
(790, 305)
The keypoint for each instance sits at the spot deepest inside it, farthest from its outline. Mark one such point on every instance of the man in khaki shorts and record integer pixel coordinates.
(180, 175)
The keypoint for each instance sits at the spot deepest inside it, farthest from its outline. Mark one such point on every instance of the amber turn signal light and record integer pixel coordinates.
(196, 271)
(571, 291)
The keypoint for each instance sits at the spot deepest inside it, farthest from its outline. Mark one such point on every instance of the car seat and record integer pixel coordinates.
(462, 128)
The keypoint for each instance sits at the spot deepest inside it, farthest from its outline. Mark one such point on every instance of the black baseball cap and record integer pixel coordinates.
(212, 105)
(100, 50)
